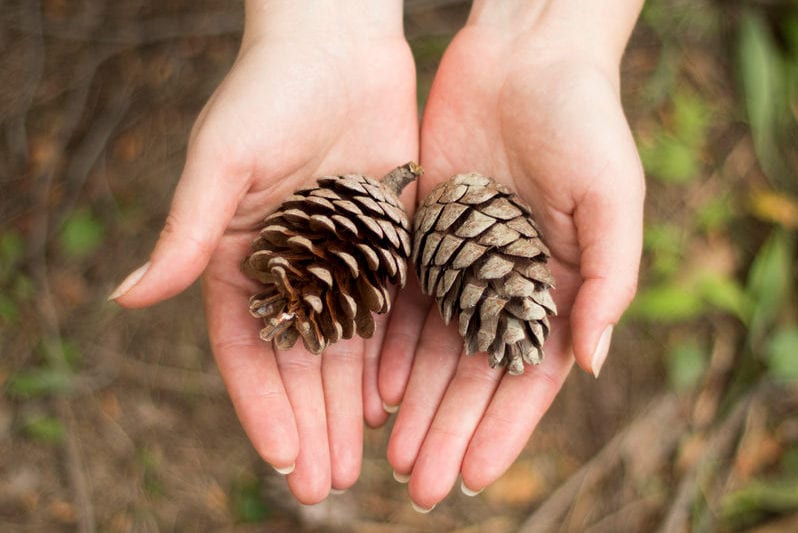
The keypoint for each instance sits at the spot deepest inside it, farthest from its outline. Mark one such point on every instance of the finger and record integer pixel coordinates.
(467, 397)
(205, 200)
(436, 358)
(249, 370)
(301, 372)
(401, 339)
(514, 411)
(373, 412)
(342, 371)
(610, 233)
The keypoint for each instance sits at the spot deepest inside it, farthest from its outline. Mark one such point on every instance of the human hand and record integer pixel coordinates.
(312, 93)
(538, 109)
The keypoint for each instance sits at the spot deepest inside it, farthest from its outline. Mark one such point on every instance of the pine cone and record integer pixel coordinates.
(478, 251)
(326, 257)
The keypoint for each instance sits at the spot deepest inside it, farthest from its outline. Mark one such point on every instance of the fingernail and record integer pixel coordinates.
(285, 470)
(423, 510)
(468, 492)
(337, 492)
(390, 408)
(133, 278)
(601, 351)
(401, 478)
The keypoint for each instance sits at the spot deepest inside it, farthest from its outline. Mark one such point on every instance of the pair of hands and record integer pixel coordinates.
(543, 120)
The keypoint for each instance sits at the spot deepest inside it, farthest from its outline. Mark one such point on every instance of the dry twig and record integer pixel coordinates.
(663, 412)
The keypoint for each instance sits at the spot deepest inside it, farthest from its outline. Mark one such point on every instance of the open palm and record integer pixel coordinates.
(551, 127)
(290, 110)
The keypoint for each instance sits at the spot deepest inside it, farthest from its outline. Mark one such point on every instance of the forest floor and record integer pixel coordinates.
(118, 420)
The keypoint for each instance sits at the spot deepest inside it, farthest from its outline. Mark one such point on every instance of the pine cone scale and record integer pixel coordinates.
(326, 257)
(480, 254)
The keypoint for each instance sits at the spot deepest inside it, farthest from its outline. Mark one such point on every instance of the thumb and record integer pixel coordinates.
(205, 201)
(610, 227)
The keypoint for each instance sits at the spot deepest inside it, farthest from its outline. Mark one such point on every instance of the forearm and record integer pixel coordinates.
(596, 27)
(286, 19)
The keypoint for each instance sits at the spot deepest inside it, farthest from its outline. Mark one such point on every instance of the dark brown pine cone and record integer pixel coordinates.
(326, 257)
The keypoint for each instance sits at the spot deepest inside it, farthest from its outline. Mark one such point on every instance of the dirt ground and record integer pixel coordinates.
(117, 420)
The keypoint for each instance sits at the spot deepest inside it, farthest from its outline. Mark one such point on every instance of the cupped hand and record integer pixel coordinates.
(547, 121)
(299, 103)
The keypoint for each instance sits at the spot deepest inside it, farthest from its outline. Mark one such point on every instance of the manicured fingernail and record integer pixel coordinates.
(601, 351)
(337, 492)
(390, 408)
(133, 278)
(285, 470)
(423, 510)
(468, 492)
(401, 478)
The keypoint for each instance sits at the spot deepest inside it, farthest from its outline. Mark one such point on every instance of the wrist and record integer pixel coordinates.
(289, 19)
(592, 30)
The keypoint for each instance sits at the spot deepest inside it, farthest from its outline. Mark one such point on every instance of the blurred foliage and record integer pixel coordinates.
(720, 239)
(770, 283)
(686, 363)
(427, 53)
(675, 153)
(782, 354)
(716, 118)
(768, 78)
(248, 503)
(15, 286)
(759, 500)
(149, 462)
(52, 375)
(44, 428)
(82, 234)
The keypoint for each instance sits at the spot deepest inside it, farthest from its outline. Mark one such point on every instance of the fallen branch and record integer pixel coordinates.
(663, 412)
(719, 445)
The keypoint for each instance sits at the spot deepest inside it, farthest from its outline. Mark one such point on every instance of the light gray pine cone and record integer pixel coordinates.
(478, 251)
(327, 256)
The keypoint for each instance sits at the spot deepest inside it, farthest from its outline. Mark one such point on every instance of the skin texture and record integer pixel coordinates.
(534, 108)
(293, 107)
(548, 123)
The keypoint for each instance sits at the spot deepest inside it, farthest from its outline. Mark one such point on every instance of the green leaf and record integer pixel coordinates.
(62, 351)
(8, 309)
(725, 294)
(691, 119)
(82, 234)
(667, 304)
(249, 505)
(670, 159)
(665, 243)
(757, 500)
(44, 428)
(12, 249)
(789, 462)
(760, 70)
(769, 281)
(686, 363)
(716, 214)
(151, 466)
(38, 381)
(782, 354)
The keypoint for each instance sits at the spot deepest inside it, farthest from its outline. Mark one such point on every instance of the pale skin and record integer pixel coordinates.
(528, 94)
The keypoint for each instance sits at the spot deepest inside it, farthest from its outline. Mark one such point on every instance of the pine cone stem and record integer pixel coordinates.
(397, 179)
